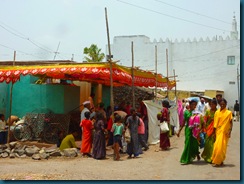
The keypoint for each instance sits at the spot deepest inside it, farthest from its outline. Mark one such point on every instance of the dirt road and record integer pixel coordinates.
(152, 165)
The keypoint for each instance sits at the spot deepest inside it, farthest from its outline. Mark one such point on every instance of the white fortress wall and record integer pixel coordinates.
(199, 63)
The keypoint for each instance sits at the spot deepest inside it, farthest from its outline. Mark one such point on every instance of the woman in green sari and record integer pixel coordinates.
(191, 149)
(210, 133)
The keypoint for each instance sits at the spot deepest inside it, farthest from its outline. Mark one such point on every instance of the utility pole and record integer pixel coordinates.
(156, 68)
(55, 53)
(10, 103)
(111, 67)
(132, 74)
(238, 85)
(175, 86)
(167, 72)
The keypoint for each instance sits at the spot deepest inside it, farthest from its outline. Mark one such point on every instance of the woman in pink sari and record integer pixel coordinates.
(223, 127)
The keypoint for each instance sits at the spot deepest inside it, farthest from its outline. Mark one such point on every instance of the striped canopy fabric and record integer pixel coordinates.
(90, 72)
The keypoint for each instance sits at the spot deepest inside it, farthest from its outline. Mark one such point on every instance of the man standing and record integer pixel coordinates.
(236, 111)
(86, 105)
(218, 98)
(201, 106)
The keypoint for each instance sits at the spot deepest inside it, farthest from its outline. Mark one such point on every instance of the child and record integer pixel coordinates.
(118, 130)
(87, 127)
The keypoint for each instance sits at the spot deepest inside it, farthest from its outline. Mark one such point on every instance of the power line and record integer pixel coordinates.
(18, 51)
(22, 36)
(190, 11)
(172, 16)
(25, 38)
(181, 59)
(208, 76)
(204, 54)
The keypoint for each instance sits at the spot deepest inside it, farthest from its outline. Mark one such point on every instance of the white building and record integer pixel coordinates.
(204, 64)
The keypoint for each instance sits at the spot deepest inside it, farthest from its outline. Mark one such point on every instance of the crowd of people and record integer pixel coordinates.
(100, 128)
(208, 128)
(206, 125)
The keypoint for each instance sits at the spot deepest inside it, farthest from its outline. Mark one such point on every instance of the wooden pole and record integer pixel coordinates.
(156, 72)
(132, 75)
(238, 85)
(175, 85)
(10, 103)
(167, 72)
(111, 66)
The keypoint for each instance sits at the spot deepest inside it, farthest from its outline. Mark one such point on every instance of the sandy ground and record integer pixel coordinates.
(151, 165)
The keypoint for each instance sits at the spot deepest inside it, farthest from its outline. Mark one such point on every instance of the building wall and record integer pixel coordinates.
(199, 64)
(28, 97)
(4, 100)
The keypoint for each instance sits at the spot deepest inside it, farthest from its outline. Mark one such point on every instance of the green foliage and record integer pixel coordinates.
(93, 54)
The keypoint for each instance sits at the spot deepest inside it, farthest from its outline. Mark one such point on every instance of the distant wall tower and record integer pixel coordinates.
(234, 32)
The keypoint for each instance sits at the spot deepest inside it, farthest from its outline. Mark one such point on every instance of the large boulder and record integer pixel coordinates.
(43, 154)
(30, 151)
(3, 146)
(12, 145)
(36, 156)
(20, 151)
(20, 156)
(55, 153)
(5, 154)
(70, 152)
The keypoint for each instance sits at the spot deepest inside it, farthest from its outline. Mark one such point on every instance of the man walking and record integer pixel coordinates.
(236, 111)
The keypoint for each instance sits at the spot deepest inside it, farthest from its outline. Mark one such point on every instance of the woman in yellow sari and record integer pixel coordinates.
(223, 127)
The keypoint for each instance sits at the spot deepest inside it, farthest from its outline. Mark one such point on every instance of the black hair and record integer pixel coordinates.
(192, 101)
(99, 116)
(224, 100)
(138, 114)
(117, 118)
(1, 115)
(132, 110)
(214, 101)
(165, 103)
(87, 114)
(219, 95)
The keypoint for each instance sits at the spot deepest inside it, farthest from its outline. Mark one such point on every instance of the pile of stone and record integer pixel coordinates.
(17, 150)
(124, 94)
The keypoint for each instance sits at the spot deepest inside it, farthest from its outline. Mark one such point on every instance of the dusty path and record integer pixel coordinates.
(152, 165)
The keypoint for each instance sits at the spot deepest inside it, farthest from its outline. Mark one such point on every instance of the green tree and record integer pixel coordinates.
(93, 54)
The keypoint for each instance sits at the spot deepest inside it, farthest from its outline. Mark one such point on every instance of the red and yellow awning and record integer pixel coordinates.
(90, 72)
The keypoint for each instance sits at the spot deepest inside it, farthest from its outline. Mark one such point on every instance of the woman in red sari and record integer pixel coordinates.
(164, 137)
(87, 127)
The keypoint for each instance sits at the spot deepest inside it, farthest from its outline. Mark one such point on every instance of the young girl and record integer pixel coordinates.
(118, 130)
(87, 127)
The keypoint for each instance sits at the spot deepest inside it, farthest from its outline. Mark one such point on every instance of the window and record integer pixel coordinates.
(230, 60)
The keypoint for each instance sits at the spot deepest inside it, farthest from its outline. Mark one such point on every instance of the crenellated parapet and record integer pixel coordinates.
(194, 40)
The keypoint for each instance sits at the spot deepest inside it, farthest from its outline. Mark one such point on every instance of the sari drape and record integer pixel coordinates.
(222, 124)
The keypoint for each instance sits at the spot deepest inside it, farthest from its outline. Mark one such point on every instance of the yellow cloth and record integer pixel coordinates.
(68, 142)
(222, 123)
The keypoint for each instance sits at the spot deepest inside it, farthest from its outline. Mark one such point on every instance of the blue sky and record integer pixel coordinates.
(34, 28)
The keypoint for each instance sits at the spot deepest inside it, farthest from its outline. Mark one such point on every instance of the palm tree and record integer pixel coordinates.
(93, 54)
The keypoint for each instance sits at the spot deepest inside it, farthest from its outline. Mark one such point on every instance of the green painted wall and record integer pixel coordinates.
(40, 98)
(106, 96)
(3, 98)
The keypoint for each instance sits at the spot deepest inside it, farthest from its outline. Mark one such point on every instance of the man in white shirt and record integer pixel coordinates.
(201, 106)
(86, 105)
